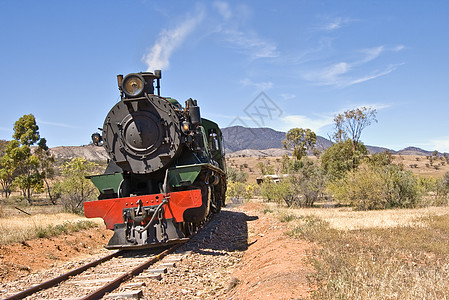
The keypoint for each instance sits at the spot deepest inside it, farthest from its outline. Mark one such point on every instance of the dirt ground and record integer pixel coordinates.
(21, 259)
(273, 266)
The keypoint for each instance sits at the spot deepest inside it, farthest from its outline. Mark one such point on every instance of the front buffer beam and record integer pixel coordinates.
(135, 232)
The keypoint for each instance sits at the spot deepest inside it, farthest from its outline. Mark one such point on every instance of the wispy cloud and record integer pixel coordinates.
(286, 96)
(301, 121)
(251, 44)
(344, 74)
(246, 41)
(317, 122)
(373, 75)
(376, 106)
(169, 40)
(440, 144)
(56, 124)
(260, 86)
(223, 9)
(371, 54)
(335, 24)
(398, 48)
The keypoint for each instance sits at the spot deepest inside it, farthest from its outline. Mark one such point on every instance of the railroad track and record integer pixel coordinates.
(94, 280)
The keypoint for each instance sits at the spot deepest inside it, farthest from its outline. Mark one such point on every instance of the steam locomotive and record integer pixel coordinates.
(166, 172)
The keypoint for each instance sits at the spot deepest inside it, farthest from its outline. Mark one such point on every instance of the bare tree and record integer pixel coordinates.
(351, 123)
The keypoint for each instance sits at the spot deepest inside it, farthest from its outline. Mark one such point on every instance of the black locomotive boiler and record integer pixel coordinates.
(166, 172)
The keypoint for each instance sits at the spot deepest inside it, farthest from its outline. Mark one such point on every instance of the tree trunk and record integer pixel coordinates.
(28, 196)
(53, 201)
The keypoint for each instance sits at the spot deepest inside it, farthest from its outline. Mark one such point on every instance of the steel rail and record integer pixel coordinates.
(109, 287)
(52, 282)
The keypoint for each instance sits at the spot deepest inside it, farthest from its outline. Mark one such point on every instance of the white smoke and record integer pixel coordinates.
(169, 40)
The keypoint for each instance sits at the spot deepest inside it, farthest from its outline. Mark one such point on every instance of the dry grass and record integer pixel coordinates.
(10, 210)
(423, 167)
(391, 254)
(20, 228)
(346, 218)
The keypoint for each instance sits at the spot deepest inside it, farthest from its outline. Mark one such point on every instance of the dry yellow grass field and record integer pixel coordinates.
(346, 218)
(388, 254)
(19, 228)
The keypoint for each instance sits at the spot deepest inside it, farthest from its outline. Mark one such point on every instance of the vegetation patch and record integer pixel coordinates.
(405, 262)
(16, 229)
(66, 227)
(287, 218)
(267, 211)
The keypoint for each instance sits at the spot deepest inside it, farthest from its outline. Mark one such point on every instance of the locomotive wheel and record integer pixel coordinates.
(216, 204)
(189, 229)
(217, 200)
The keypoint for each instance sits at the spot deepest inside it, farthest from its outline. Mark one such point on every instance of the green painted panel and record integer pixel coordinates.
(183, 175)
(107, 182)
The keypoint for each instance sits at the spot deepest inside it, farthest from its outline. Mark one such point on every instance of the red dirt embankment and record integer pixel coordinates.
(20, 259)
(274, 266)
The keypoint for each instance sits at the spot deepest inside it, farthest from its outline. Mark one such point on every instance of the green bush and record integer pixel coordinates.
(309, 183)
(266, 169)
(300, 189)
(236, 175)
(435, 190)
(277, 192)
(290, 165)
(66, 227)
(240, 190)
(341, 158)
(375, 187)
(444, 187)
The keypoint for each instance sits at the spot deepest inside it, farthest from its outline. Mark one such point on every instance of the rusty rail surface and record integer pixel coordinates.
(52, 282)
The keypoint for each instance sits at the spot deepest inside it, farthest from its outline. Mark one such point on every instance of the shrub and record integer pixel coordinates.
(66, 227)
(75, 188)
(299, 189)
(277, 192)
(431, 189)
(250, 191)
(289, 165)
(309, 183)
(235, 190)
(444, 184)
(380, 159)
(341, 158)
(375, 187)
(265, 169)
(363, 189)
(240, 190)
(236, 175)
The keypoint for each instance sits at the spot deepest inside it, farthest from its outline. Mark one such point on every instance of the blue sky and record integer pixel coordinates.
(311, 59)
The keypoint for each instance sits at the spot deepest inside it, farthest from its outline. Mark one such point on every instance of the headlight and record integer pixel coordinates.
(133, 85)
(97, 139)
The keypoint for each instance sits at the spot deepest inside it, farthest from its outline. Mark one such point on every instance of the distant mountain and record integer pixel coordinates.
(239, 138)
(415, 151)
(89, 152)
